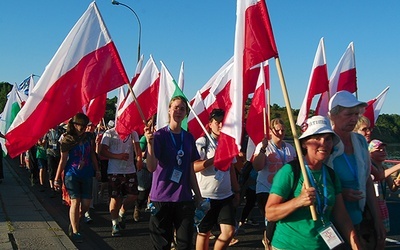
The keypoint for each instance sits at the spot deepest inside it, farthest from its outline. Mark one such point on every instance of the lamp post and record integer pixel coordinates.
(137, 17)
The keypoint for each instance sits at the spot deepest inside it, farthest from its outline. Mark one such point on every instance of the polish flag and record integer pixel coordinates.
(146, 92)
(257, 117)
(86, 65)
(217, 98)
(374, 107)
(343, 77)
(318, 83)
(96, 108)
(254, 43)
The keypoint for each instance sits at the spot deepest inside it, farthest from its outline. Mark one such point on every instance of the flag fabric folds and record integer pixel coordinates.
(146, 91)
(254, 43)
(86, 65)
(343, 77)
(318, 83)
(374, 107)
(217, 97)
(96, 108)
(257, 116)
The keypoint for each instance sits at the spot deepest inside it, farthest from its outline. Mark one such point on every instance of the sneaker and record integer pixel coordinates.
(122, 222)
(77, 237)
(212, 236)
(252, 222)
(87, 219)
(136, 214)
(116, 232)
(233, 242)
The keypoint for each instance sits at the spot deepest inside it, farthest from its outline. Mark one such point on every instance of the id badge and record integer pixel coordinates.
(330, 235)
(176, 175)
(219, 175)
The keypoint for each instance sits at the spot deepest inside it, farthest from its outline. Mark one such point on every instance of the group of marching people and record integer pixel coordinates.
(336, 160)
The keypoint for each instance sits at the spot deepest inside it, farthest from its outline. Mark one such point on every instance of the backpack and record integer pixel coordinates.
(271, 225)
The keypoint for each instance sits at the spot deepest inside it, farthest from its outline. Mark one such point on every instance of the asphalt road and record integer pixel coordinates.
(136, 235)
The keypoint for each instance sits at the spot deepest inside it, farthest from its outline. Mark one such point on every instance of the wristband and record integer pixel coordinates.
(263, 150)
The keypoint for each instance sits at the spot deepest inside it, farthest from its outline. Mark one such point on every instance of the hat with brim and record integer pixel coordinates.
(345, 99)
(317, 125)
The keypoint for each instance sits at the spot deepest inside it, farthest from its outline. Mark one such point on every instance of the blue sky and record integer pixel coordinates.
(201, 33)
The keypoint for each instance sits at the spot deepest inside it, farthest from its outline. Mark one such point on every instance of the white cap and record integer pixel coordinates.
(318, 125)
(111, 124)
(345, 99)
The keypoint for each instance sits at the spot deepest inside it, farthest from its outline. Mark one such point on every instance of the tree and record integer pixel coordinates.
(5, 88)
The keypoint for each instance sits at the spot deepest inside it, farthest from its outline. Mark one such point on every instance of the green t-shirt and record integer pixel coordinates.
(298, 230)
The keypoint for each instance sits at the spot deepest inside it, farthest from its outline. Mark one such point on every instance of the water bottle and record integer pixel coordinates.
(152, 209)
(201, 211)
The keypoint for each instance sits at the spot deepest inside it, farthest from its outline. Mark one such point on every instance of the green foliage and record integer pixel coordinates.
(5, 87)
(110, 109)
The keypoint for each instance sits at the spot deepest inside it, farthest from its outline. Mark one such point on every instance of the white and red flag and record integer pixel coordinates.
(343, 77)
(254, 43)
(146, 92)
(374, 107)
(318, 83)
(257, 116)
(96, 108)
(86, 65)
(218, 97)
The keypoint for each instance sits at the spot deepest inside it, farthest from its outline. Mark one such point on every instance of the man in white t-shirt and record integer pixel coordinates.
(221, 187)
(122, 179)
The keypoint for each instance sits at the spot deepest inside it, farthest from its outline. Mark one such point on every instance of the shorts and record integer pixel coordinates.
(79, 188)
(221, 212)
(122, 184)
(42, 163)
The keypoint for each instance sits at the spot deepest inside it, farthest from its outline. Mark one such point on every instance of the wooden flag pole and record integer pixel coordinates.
(137, 104)
(294, 133)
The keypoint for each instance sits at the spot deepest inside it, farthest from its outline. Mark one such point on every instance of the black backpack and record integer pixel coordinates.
(271, 225)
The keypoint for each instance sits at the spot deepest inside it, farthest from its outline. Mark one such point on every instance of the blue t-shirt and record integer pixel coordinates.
(163, 189)
(345, 167)
(80, 153)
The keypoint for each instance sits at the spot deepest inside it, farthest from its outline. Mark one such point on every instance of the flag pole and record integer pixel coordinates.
(201, 125)
(137, 104)
(293, 127)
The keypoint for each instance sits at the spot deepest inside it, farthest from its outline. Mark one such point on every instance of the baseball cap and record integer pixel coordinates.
(318, 125)
(374, 144)
(345, 99)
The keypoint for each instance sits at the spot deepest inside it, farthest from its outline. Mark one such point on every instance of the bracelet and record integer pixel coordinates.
(263, 150)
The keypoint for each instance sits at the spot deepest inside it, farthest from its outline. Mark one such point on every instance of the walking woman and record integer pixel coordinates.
(171, 152)
(78, 161)
(288, 204)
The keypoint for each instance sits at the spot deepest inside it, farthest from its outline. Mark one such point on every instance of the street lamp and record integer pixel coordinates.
(137, 17)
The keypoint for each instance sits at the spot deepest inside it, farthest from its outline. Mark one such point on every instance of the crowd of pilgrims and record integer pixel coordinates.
(170, 170)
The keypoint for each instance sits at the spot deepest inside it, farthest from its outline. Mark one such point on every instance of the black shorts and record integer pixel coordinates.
(221, 212)
(122, 184)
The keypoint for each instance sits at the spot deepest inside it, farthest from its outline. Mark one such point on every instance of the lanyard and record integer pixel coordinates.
(173, 138)
(351, 167)
(82, 148)
(179, 153)
(321, 208)
(283, 159)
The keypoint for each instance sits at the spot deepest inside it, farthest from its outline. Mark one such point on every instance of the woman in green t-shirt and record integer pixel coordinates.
(289, 200)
